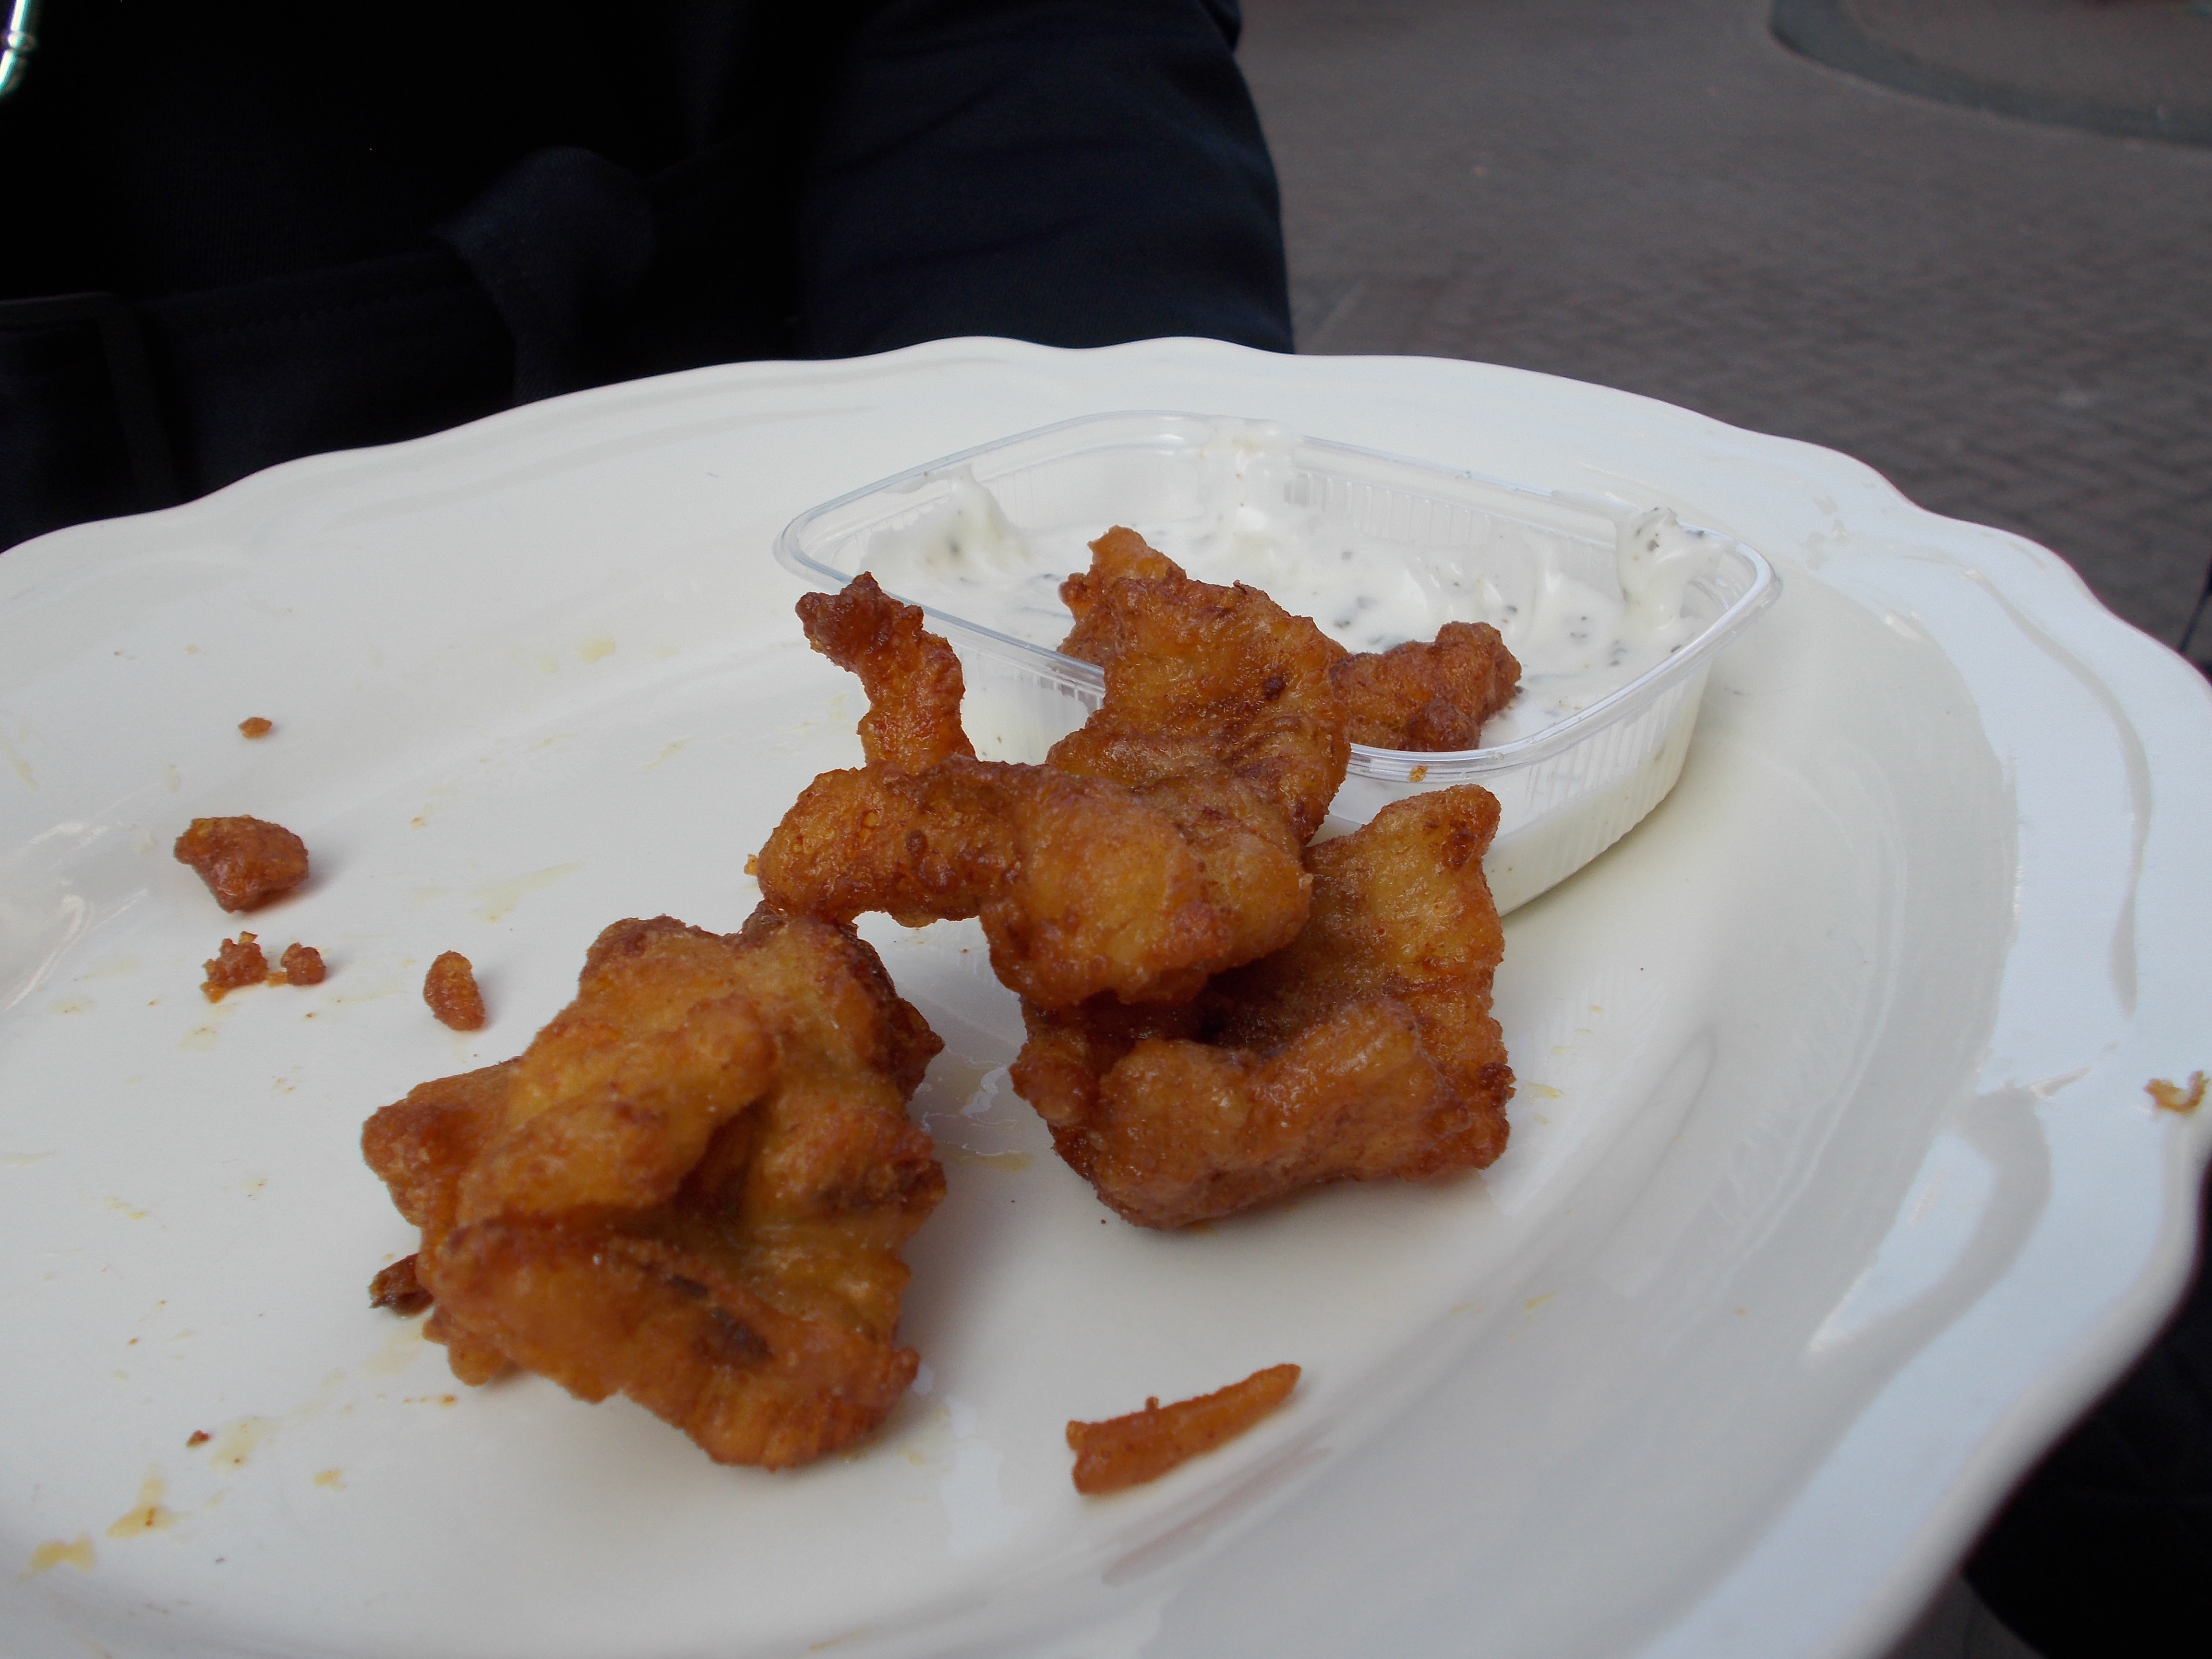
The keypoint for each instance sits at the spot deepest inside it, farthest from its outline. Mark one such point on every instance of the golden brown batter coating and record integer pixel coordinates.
(450, 988)
(1365, 1048)
(1133, 870)
(691, 1188)
(1431, 697)
(1202, 680)
(1082, 888)
(397, 1288)
(1117, 556)
(911, 676)
(235, 963)
(1127, 1452)
(245, 861)
(1424, 695)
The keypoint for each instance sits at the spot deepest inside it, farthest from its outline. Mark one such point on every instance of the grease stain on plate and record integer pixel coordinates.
(1009, 1163)
(150, 1513)
(393, 982)
(496, 899)
(439, 797)
(954, 1079)
(22, 766)
(2177, 1097)
(397, 1352)
(77, 1552)
(235, 1443)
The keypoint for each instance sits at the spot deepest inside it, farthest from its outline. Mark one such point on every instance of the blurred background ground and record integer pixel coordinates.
(2006, 318)
(2010, 317)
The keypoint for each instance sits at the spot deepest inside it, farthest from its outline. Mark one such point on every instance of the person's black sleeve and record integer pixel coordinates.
(1075, 172)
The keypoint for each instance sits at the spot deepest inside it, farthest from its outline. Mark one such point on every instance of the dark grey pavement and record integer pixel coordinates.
(2012, 321)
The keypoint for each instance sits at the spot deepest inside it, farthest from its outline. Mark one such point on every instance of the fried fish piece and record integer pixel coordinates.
(1083, 889)
(691, 1188)
(1429, 695)
(912, 676)
(1138, 886)
(1365, 1048)
(1203, 680)
(1118, 555)
(1127, 1452)
(245, 861)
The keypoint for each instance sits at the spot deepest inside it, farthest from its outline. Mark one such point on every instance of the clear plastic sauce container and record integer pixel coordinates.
(1615, 610)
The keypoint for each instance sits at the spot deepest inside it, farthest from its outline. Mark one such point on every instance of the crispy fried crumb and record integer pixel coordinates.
(1127, 1452)
(303, 965)
(245, 861)
(752, 863)
(256, 727)
(235, 963)
(2175, 1097)
(450, 988)
(196, 1438)
(397, 1288)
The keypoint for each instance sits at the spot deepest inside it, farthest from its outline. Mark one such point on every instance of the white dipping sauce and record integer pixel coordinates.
(1582, 620)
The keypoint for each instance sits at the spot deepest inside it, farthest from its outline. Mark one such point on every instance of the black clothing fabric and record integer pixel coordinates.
(2107, 1548)
(323, 227)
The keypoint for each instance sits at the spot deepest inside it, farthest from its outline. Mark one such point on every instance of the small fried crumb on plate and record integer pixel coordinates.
(245, 861)
(1127, 1452)
(450, 988)
(236, 962)
(256, 726)
(302, 964)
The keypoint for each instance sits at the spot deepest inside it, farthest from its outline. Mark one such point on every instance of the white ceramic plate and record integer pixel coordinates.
(1834, 1190)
